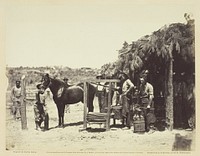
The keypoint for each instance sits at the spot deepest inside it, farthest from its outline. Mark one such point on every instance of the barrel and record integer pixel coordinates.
(139, 125)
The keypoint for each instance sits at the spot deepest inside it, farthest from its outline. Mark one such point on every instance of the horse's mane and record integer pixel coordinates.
(58, 81)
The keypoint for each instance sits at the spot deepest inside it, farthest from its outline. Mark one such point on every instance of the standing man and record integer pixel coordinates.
(146, 100)
(40, 109)
(16, 94)
(101, 94)
(125, 97)
(66, 81)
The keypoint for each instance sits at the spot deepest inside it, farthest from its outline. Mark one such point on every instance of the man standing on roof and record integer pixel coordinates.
(16, 94)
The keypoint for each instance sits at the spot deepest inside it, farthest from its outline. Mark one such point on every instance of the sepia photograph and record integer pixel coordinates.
(99, 77)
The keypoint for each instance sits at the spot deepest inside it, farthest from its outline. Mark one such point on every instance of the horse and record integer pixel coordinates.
(64, 94)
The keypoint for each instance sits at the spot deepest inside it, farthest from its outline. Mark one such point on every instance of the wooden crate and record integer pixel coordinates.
(139, 125)
(96, 117)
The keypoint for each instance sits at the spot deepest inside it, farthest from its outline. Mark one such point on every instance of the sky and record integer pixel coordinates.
(78, 33)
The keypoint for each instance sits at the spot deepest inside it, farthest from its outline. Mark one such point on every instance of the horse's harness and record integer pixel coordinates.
(49, 83)
(60, 91)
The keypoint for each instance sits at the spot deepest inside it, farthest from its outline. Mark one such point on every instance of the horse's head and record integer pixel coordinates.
(46, 81)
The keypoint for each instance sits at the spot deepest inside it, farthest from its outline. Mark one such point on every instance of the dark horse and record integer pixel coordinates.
(63, 94)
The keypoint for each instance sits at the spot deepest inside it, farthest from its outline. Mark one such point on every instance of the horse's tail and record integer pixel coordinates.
(92, 91)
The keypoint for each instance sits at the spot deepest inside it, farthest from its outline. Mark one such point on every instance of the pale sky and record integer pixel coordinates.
(78, 33)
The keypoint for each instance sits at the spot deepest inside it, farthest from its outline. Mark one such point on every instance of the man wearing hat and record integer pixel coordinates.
(101, 93)
(125, 98)
(66, 81)
(67, 107)
(16, 93)
(40, 109)
(146, 99)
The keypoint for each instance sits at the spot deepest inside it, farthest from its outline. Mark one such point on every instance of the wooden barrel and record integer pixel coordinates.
(139, 125)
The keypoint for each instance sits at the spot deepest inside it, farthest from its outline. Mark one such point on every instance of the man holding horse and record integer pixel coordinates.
(40, 109)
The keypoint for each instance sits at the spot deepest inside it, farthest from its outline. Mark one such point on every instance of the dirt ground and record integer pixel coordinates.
(70, 139)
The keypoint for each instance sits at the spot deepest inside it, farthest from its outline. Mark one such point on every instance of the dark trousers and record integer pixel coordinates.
(102, 100)
(127, 111)
(149, 116)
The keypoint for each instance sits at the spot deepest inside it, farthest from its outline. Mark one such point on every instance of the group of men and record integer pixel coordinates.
(40, 106)
(143, 105)
(125, 90)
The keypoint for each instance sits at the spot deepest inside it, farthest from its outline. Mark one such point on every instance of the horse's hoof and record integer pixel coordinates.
(60, 126)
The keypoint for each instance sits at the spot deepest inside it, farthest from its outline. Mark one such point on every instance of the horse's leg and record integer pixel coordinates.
(59, 115)
(62, 114)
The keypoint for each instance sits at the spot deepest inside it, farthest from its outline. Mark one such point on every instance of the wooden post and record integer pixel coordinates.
(23, 104)
(169, 94)
(114, 102)
(109, 107)
(85, 105)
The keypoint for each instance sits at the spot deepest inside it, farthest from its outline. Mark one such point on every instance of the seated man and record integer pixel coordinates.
(146, 99)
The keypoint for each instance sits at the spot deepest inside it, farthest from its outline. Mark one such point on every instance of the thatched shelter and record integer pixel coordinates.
(169, 55)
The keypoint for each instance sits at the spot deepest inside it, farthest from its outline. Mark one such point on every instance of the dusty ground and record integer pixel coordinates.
(69, 139)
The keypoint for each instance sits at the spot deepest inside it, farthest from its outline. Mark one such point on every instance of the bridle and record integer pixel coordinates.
(47, 86)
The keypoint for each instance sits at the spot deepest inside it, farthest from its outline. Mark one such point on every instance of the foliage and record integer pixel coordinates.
(177, 37)
(34, 74)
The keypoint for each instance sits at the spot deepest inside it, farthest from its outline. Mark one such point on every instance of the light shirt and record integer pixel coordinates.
(147, 89)
(100, 86)
(42, 98)
(16, 92)
(126, 85)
